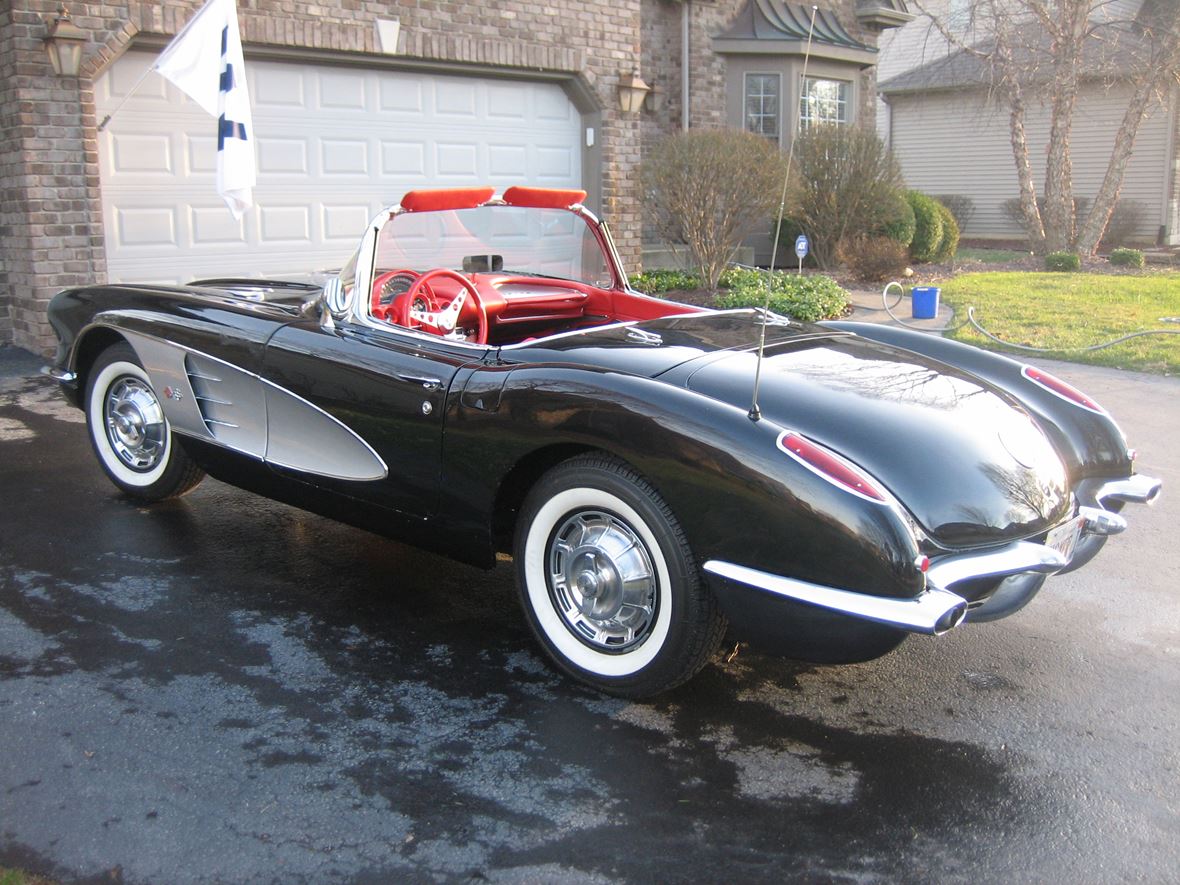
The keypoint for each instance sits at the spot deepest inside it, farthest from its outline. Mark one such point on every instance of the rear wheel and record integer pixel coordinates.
(608, 583)
(129, 432)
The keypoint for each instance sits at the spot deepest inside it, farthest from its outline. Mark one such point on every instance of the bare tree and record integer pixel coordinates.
(1057, 46)
(711, 189)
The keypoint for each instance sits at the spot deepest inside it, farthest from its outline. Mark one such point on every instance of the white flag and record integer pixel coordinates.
(205, 60)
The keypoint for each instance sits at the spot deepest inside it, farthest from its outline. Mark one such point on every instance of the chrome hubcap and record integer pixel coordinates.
(602, 581)
(135, 424)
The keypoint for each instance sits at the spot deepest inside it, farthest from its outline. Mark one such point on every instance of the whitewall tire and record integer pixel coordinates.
(608, 583)
(129, 431)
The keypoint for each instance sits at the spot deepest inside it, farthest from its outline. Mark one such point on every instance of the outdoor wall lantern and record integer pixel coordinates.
(632, 92)
(64, 43)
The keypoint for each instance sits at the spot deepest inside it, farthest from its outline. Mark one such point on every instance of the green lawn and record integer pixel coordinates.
(1069, 311)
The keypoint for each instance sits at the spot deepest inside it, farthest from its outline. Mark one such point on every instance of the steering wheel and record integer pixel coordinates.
(391, 284)
(440, 320)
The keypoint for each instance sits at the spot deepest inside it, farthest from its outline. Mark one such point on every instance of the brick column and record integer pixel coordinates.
(47, 163)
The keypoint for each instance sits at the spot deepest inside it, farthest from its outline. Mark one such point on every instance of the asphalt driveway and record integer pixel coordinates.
(227, 689)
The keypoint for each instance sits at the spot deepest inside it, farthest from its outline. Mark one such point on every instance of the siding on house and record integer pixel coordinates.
(959, 143)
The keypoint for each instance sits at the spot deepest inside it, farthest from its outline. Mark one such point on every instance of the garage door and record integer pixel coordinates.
(334, 145)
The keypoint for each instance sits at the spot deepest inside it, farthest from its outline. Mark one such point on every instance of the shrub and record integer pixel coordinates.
(843, 184)
(1127, 258)
(961, 206)
(927, 226)
(806, 298)
(656, 282)
(900, 226)
(949, 241)
(1125, 220)
(1012, 211)
(711, 189)
(874, 258)
(1062, 261)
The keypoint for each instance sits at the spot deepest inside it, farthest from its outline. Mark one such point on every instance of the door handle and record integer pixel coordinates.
(424, 380)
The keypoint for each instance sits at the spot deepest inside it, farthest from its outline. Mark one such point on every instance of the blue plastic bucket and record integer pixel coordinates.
(924, 302)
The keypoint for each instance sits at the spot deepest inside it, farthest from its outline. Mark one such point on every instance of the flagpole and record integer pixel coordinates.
(127, 97)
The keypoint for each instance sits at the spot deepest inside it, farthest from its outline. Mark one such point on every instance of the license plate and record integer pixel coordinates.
(1064, 538)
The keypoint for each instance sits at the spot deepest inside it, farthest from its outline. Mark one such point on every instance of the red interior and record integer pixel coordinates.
(521, 308)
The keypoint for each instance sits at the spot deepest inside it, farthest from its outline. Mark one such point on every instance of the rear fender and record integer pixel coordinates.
(734, 492)
(1089, 443)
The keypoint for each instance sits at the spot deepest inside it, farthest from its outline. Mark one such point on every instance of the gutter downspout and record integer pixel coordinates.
(685, 11)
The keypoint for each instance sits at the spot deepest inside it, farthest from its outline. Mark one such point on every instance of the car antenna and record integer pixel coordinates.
(755, 413)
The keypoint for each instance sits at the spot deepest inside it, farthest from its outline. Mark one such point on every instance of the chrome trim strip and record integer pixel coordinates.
(1012, 559)
(60, 375)
(1137, 489)
(221, 423)
(933, 611)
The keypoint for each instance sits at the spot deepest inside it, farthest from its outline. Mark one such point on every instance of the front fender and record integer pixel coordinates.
(736, 495)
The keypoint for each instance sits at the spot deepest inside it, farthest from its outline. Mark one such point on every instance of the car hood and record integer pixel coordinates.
(962, 457)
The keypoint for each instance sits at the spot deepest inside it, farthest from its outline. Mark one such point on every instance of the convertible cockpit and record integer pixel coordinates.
(465, 265)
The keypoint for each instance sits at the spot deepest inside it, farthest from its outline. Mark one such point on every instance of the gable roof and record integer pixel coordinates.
(1110, 50)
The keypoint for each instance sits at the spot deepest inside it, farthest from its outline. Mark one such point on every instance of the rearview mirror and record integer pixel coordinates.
(482, 263)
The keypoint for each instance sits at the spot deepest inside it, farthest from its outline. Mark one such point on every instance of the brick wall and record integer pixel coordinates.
(51, 233)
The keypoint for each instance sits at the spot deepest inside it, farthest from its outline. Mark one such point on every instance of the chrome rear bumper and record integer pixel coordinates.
(933, 611)
(1022, 566)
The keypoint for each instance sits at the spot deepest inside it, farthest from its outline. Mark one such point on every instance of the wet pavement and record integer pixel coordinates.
(226, 689)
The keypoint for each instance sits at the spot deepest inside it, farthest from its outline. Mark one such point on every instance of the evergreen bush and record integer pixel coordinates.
(949, 243)
(1127, 258)
(927, 226)
(1063, 261)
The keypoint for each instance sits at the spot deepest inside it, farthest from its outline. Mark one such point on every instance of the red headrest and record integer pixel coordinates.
(446, 198)
(543, 197)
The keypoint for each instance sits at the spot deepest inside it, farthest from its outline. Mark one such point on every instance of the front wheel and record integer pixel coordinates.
(607, 581)
(129, 432)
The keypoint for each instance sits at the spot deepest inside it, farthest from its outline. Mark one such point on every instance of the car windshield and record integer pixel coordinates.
(511, 239)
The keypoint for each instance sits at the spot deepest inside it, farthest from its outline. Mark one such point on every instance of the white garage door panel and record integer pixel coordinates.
(333, 146)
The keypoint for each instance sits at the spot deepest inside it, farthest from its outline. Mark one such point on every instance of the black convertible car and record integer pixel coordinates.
(479, 378)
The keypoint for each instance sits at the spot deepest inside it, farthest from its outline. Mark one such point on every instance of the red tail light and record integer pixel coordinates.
(830, 466)
(1059, 388)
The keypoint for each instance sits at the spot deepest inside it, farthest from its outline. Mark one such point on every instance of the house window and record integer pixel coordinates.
(823, 101)
(762, 105)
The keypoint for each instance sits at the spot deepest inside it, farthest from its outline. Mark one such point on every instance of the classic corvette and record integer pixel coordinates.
(479, 378)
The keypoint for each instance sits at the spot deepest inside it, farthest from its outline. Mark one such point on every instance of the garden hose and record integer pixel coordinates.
(971, 320)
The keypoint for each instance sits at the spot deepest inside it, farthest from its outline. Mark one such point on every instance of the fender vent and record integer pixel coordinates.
(211, 394)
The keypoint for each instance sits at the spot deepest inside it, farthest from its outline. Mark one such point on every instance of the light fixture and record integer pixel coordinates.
(64, 43)
(632, 91)
(655, 99)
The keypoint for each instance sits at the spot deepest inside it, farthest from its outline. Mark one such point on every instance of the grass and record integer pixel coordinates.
(1066, 312)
